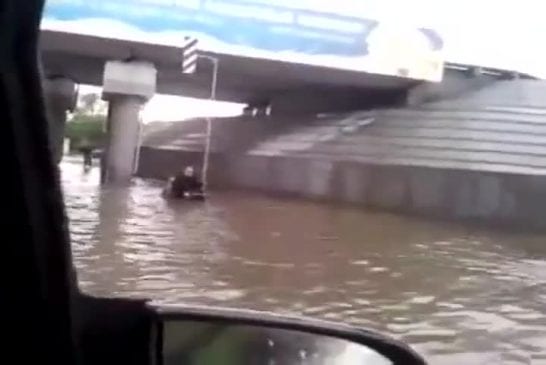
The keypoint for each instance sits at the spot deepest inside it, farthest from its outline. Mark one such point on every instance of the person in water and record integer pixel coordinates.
(87, 152)
(185, 185)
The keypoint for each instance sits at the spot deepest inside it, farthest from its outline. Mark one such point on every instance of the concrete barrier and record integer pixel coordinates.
(481, 197)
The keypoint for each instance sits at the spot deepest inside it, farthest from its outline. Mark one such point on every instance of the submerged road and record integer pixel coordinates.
(459, 295)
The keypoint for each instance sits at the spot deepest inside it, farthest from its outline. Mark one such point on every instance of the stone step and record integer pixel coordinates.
(386, 131)
(505, 93)
(455, 134)
(427, 162)
(352, 151)
(508, 115)
(366, 140)
(349, 152)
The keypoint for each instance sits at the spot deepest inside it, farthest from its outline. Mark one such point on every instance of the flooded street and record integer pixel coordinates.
(459, 295)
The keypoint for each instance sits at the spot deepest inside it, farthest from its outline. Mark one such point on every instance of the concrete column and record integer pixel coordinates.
(126, 86)
(123, 133)
(61, 96)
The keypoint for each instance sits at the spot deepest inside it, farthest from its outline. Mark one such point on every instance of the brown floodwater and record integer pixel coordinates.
(458, 294)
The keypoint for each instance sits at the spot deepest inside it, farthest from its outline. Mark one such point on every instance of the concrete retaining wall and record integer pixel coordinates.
(493, 198)
(479, 157)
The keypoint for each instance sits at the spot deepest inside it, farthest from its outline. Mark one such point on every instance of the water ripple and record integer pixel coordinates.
(459, 295)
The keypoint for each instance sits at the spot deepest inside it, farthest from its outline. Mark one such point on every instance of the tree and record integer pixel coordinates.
(87, 123)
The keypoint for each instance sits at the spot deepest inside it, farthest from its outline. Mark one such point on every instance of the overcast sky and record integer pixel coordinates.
(504, 33)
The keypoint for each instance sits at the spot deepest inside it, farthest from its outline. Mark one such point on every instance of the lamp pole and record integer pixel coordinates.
(214, 83)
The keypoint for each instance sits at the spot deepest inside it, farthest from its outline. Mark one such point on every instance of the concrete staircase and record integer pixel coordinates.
(481, 157)
(230, 135)
(501, 128)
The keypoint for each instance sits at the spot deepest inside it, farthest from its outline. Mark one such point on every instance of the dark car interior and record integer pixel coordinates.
(47, 319)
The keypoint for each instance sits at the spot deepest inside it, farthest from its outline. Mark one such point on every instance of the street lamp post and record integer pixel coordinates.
(214, 82)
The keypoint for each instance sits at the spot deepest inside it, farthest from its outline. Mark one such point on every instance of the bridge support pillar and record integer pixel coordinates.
(60, 95)
(126, 86)
(122, 139)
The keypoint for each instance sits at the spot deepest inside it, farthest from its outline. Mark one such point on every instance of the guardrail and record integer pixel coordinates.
(477, 70)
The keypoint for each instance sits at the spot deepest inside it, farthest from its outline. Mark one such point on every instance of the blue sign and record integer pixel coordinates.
(300, 31)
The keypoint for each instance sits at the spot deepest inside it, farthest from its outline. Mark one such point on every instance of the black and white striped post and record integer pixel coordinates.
(190, 56)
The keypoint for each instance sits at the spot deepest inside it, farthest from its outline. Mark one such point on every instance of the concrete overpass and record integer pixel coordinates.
(241, 79)
(69, 59)
(289, 88)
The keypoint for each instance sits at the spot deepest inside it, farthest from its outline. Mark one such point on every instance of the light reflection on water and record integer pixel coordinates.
(459, 295)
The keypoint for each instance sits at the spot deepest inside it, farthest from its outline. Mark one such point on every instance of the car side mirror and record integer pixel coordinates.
(202, 336)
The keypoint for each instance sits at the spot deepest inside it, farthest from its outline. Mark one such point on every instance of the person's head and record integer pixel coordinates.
(188, 171)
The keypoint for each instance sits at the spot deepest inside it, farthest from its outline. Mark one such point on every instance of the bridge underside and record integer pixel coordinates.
(241, 79)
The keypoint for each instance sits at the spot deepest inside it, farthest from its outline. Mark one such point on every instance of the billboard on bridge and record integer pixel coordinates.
(324, 33)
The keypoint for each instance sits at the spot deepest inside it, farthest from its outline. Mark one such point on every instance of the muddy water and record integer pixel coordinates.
(459, 295)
